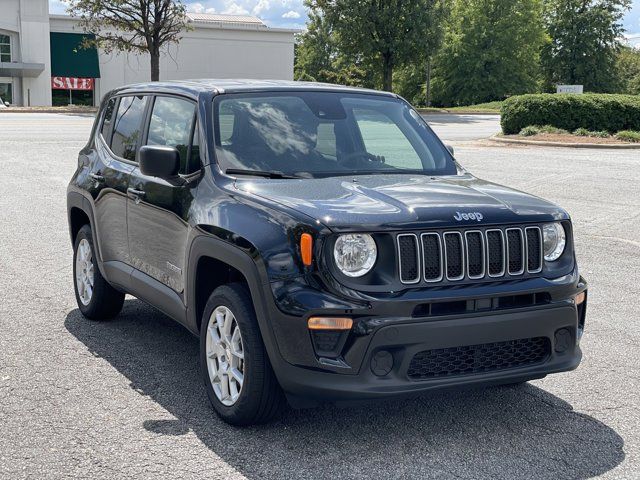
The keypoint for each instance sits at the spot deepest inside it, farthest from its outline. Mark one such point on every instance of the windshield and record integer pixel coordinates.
(320, 134)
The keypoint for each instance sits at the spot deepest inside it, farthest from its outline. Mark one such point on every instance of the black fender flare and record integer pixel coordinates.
(79, 201)
(212, 247)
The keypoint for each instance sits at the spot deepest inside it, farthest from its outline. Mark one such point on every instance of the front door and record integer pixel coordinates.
(115, 151)
(157, 209)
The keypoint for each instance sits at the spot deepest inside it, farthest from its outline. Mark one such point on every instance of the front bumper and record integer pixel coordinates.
(396, 328)
(403, 341)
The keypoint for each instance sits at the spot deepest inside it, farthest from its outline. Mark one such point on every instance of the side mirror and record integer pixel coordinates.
(451, 151)
(159, 161)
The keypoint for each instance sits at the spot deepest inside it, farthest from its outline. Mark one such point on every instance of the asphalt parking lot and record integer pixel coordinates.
(123, 399)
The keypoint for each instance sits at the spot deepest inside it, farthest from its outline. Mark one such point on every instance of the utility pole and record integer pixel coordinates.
(428, 90)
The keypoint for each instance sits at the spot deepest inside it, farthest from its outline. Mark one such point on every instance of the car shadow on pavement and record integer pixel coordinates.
(506, 432)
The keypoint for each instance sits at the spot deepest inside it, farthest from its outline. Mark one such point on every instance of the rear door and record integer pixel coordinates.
(158, 210)
(116, 147)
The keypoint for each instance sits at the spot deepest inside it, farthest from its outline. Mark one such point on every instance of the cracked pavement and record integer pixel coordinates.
(123, 399)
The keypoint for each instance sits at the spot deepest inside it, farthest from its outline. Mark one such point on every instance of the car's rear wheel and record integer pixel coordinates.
(235, 367)
(96, 299)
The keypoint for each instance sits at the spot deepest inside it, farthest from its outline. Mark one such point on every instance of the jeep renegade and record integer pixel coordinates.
(321, 241)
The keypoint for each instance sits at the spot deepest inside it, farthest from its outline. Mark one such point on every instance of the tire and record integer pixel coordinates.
(259, 398)
(102, 301)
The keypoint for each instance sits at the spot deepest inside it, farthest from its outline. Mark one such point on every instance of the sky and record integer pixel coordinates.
(292, 14)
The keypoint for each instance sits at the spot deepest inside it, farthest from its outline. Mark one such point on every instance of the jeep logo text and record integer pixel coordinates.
(468, 216)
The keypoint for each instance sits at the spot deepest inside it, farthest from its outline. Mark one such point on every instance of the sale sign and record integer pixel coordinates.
(72, 83)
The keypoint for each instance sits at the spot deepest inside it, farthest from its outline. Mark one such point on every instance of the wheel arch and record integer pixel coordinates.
(79, 213)
(214, 262)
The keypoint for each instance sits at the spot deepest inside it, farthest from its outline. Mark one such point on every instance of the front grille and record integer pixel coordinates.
(472, 254)
(486, 357)
(409, 258)
(454, 255)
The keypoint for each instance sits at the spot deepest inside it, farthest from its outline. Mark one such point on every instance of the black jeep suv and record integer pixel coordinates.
(321, 241)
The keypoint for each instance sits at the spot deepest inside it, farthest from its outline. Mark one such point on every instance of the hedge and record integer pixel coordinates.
(591, 111)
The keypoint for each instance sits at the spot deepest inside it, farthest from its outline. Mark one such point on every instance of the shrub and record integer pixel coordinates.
(583, 132)
(552, 129)
(628, 136)
(595, 112)
(600, 134)
(530, 131)
(536, 129)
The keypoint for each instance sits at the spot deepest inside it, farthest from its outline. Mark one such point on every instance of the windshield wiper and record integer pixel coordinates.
(257, 173)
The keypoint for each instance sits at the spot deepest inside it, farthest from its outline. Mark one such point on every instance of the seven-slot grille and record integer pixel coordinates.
(469, 254)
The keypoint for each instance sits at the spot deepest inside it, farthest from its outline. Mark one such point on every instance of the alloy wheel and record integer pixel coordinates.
(84, 271)
(225, 355)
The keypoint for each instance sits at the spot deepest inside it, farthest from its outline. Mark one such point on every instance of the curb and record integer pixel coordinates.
(541, 143)
(422, 111)
(50, 110)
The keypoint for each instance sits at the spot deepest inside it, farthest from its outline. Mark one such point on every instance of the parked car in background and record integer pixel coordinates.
(321, 241)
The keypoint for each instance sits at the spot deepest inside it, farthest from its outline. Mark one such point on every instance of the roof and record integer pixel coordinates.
(194, 87)
(215, 21)
(247, 20)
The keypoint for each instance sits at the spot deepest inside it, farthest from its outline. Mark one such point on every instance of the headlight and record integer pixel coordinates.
(355, 254)
(554, 240)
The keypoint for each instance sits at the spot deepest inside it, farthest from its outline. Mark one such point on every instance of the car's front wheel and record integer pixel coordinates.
(235, 367)
(96, 299)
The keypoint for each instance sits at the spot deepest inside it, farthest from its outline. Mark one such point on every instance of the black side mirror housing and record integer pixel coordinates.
(451, 151)
(159, 161)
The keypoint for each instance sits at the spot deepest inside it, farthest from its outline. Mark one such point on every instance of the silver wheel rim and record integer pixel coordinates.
(84, 272)
(225, 355)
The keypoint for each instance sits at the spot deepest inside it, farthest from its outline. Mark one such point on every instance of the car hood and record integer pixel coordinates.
(400, 201)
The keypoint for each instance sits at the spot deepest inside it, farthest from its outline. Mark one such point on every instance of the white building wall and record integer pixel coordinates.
(207, 51)
(27, 23)
(35, 48)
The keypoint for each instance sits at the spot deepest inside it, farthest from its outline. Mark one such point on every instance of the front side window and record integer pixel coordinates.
(171, 125)
(127, 127)
(320, 134)
(5, 48)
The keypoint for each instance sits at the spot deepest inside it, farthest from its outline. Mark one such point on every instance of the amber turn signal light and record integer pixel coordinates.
(580, 298)
(330, 323)
(306, 249)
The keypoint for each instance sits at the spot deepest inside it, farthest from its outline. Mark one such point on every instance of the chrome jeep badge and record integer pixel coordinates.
(468, 216)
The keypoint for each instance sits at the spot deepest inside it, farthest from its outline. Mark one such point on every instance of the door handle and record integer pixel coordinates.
(97, 177)
(135, 194)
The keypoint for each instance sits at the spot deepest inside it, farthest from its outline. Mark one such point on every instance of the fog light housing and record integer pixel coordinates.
(563, 340)
(329, 334)
(381, 363)
(580, 298)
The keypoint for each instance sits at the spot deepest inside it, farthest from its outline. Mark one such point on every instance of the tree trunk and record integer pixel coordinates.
(387, 72)
(155, 65)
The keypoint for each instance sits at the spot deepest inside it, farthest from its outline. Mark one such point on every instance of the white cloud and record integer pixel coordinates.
(263, 6)
(232, 8)
(199, 8)
(291, 14)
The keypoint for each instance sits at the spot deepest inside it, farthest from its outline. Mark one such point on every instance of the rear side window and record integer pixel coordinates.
(171, 125)
(127, 126)
(108, 119)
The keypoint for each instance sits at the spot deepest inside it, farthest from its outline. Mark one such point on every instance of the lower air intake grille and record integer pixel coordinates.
(486, 357)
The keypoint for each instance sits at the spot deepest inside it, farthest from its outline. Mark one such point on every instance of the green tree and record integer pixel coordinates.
(383, 33)
(319, 58)
(584, 42)
(491, 50)
(139, 26)
(628, 70)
